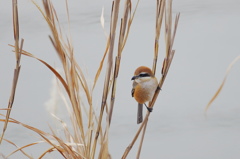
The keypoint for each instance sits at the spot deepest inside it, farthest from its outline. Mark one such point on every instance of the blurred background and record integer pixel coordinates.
(207, 41)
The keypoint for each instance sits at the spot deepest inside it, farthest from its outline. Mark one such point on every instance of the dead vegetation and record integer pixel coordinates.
(83, 141)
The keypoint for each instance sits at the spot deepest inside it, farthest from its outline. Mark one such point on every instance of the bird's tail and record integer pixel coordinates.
(139, 113)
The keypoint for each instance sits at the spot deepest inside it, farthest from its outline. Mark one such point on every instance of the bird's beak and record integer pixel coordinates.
(134, 77)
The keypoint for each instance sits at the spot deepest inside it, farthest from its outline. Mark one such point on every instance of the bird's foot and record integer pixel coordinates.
(149, 109)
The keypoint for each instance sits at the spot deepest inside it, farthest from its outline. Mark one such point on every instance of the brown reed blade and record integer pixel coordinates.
(21, 149)
(55, 72)
(43, 134)
(51, 149)
(18, 148)
(101, 64)
(223, 83)
(18, 50)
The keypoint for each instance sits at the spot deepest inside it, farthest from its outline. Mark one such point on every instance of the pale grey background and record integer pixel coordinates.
(206, 42)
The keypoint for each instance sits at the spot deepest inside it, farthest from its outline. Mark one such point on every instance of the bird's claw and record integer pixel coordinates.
(149, 109)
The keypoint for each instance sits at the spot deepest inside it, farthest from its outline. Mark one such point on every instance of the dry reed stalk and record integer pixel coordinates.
(222, 84)
(160, 8)
(125, 26)
(141, 141)
(74, 77)
(127, 11)
(73, 74)
(18, 50)
(113, 25)
(169, 39)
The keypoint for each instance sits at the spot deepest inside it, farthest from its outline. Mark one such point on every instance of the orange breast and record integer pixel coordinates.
(141, 95)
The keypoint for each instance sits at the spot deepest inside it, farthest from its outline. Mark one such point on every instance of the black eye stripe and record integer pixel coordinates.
(144, 75)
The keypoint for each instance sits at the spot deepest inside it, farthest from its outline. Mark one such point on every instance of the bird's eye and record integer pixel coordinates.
(144, 75)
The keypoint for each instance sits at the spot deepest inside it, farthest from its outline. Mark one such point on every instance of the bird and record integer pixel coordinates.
(143, 88)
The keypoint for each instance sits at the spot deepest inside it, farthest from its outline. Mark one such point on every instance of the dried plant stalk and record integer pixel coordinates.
(159, 17)
(169, 39)
(74, 78)
(141, 142)
(18, 50)
(114, 19)
(123, 25)
(160, 8)
(126, 22)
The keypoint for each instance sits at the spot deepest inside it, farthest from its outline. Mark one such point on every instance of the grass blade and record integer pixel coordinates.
(222, 84)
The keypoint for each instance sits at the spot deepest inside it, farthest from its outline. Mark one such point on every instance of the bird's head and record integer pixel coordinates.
(142, 74)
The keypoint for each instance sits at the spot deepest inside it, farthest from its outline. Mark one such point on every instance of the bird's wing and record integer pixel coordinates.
(133, 89)
(133, 92)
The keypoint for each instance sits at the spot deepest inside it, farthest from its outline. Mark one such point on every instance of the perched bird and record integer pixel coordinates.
(144, 87)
